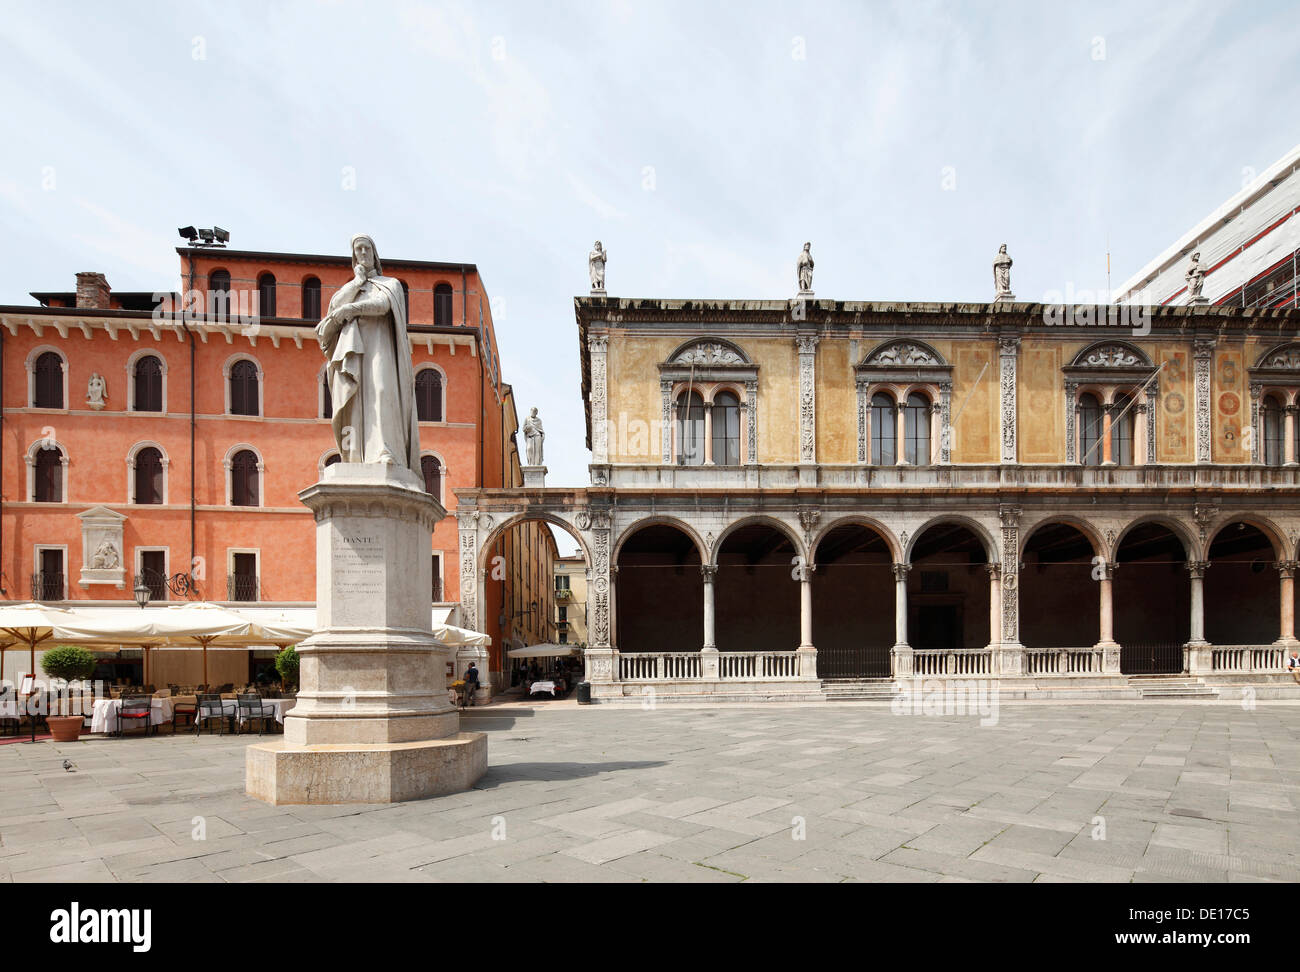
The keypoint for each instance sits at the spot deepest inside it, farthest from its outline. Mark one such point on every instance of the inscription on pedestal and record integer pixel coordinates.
(359, 567)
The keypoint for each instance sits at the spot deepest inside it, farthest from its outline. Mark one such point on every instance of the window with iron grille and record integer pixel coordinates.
(437, 577)
(47, 583)
(148, 385)
(48, 385)
(242, 582)
(153, 573)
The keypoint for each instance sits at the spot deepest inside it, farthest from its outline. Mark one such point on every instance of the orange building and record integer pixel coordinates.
(165, 437)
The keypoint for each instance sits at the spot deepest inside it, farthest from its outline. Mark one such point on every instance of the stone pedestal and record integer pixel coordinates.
(373, 723)
(534, 476)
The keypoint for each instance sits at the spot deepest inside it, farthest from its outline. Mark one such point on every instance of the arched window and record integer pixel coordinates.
(48, 484)
(266, 295)
(148, 476)
(406, 300)
(219, 295)
(326, 399)
(442, 298)
(690, 429)
(884, 430)
(243, 388)
(1091, 427)
(47, 389)
(428, 395)
(148, 384)
(311, 299)
(243, 479)
(431, 468)
(726, 429)
(1271, 416)
(916, 430)
(1121, 432)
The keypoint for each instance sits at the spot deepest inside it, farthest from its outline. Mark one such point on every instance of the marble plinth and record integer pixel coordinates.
(372, 722)
(534, 476)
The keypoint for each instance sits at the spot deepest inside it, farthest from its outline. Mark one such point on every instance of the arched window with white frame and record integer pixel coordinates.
(690, 428)
(434, 474)
(147, 474)
(146, 374)
(243, 381)
(47, 463)
(429, 394)
(244, 473)
(884, 430)
(916, 430)
(726, 429)
(47, 379)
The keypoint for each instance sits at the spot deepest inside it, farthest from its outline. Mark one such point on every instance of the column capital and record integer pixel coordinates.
(1287, 568)
(994, 569)
(1197, 568)
(1009, 344)
(900, 570)
(708, 572)
(804, 573)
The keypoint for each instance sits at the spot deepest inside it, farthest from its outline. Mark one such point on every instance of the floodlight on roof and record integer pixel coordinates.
(188, 233)
(223, 236)
(216, 236)
(206, 235)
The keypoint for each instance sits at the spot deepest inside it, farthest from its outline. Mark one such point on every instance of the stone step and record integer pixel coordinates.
(858, 690)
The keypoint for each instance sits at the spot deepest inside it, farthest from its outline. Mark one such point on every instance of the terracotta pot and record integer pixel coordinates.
(65, 728)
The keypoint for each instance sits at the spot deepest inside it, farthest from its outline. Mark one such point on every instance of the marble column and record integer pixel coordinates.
(807, 652)
(995, 604)
(1286, 573)
(902, 651)
(1289, 444)
(1108, 422)
(709, 572)
(1198, 653)
(1110, 661)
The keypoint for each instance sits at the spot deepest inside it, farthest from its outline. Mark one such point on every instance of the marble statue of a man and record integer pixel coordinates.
(368, 366)
(1002, 272)
(804, 267)
(596, 266)
(1195, 278)
(533, 436)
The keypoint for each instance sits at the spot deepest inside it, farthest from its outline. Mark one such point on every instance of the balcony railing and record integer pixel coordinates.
(1063, 661)
(563, 593)
(689, 666)
(156, 581)
(47, 586)
(964, 662)
(242, 587)
(1249, 658)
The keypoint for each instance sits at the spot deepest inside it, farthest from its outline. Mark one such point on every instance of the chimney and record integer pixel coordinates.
(92, 291)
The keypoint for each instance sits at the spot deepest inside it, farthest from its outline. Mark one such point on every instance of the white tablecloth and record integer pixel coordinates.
(542, 686)
(279, 705)
(104, 717)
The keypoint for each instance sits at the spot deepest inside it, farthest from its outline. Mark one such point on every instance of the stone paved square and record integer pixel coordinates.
(819, 792)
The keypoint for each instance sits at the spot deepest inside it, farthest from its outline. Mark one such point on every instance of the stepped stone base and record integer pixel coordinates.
(282, 773)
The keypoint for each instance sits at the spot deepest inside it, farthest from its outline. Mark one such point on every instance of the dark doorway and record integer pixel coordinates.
(660, 592)
(1060, 599)
(757, 597)
(948, 589)
(937, 626)
(853, 604)
(1151, 597)
(1242, 588)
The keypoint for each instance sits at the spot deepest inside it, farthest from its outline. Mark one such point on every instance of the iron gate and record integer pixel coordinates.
(856, 661)
(1152, 658)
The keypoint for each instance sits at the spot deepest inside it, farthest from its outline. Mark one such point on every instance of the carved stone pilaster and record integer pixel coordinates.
(597, 346)
(807, 345)
(1256, 444)
(945, 423)
(1203, 353)
(863, 421)
(1071, 415)
(751, 405)
(666, 392)
(601, 588)
(1008, 351)
(467, 524)
(1010, 517)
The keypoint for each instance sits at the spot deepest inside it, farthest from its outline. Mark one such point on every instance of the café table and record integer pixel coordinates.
(104, 716)
(545, 685)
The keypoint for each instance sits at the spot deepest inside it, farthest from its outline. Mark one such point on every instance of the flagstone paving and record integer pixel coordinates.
(1152, 791)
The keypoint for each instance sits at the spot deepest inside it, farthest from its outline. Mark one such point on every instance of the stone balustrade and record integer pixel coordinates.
(1248, 658)
(966, 662)
(1063, 661)
(688, 666)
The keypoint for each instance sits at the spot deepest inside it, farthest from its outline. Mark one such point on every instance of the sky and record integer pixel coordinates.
(702, 142)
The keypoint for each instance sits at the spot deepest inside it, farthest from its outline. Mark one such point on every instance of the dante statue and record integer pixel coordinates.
(804, 267)
(368, 356)
(533, 436)
(1195, 278)
(596, 266)
(1002, 272)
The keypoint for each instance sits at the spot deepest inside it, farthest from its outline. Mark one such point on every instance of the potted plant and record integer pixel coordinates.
(286, 663)
(69, 663)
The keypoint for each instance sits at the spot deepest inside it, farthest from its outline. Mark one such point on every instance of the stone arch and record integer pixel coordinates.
(1175, 526)
(991, 545)
(659, 520)
(1272, 532)
(764, 519)
(858, 519)
(499, 530)
(1093, 535)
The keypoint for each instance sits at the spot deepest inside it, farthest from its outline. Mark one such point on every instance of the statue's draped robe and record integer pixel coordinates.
(372, 384)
